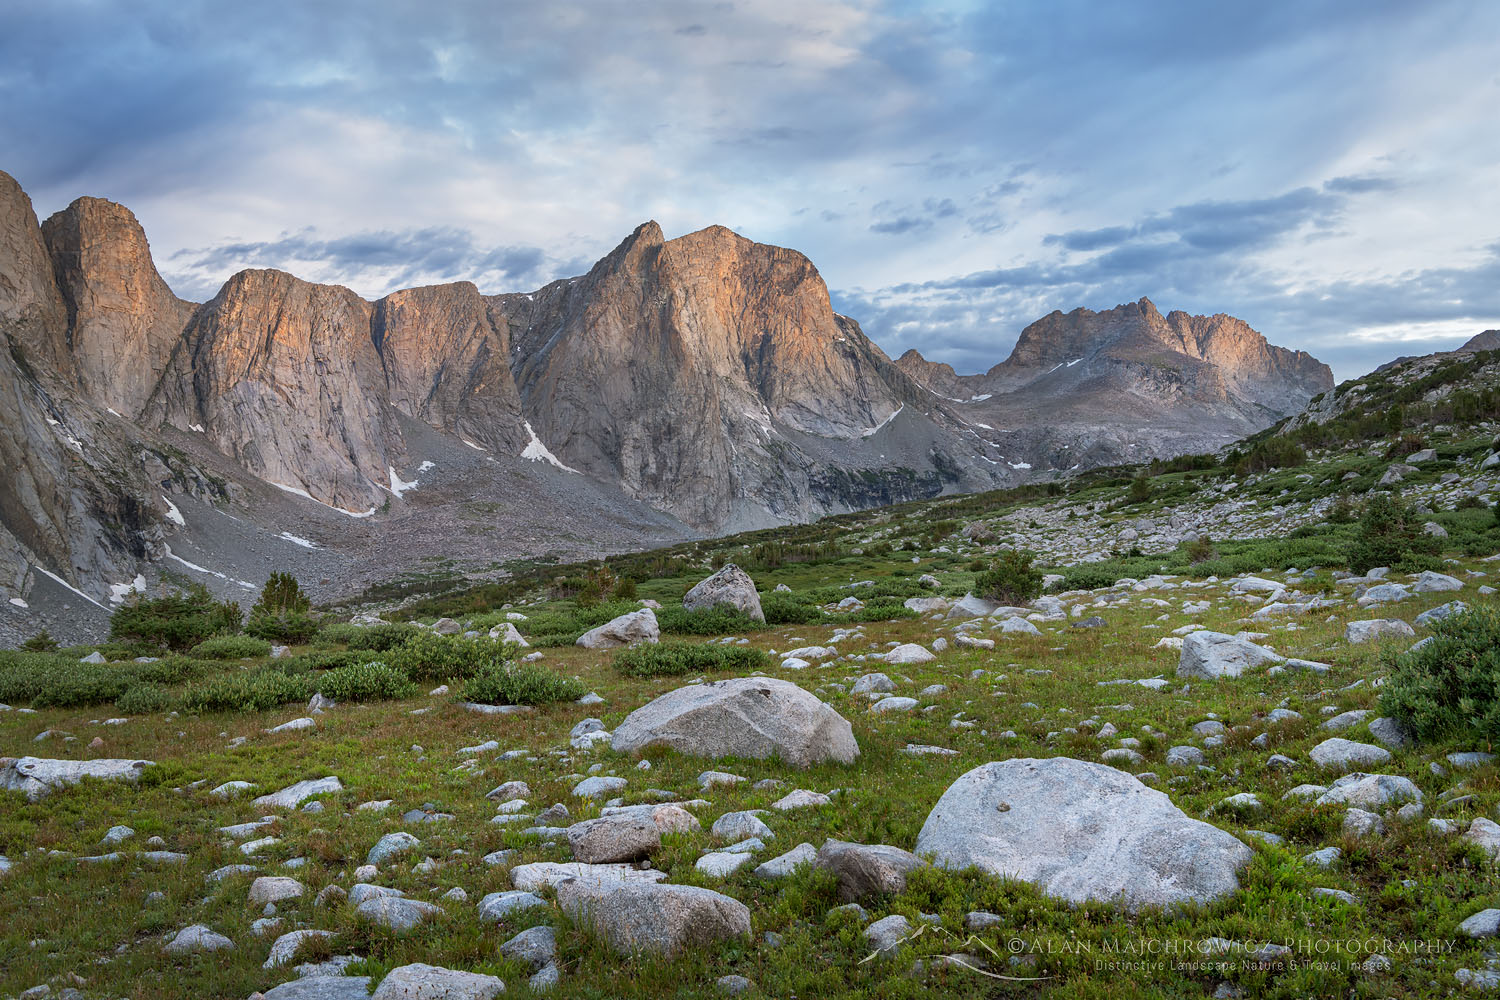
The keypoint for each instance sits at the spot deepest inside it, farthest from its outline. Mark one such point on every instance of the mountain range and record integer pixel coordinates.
(680, 388)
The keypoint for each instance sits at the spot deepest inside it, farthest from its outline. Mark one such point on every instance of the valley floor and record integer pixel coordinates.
(1381, 920)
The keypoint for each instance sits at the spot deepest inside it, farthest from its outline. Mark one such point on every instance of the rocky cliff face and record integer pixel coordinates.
(1089, 388)
(73, 501)
(698, 384)
(123, 320)
(447, 363)
(283, 376)
(704, 374)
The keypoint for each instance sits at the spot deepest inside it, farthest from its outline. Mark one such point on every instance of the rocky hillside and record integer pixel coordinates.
(681, 387)
(1126, 385)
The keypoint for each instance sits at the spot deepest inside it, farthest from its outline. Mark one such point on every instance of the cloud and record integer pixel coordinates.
(390, 260)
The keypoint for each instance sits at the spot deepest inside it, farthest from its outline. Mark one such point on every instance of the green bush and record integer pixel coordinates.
(322, 659)
(175, 669)
(880, 611)
(1389, 532)
(1451, 686)
(42, 642)
(145, 699)
(366, 682)
(717, 620)
(1011, 579)
(380, 638)
(80, 684)
(175, 621)
(231, 647)
(248, 691)
(783, 608)
(283, 614)
(500, 682)
(431, 657)
(336, 634)
(677, 658)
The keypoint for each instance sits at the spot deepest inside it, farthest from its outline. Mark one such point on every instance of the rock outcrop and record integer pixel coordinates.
(123, 320)
(1080, 831)
(741, 717)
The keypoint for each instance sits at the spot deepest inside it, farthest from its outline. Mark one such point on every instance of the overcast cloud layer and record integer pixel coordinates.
(1329, 171)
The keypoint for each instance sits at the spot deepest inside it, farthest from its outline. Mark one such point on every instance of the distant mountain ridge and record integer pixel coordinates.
(705, 379)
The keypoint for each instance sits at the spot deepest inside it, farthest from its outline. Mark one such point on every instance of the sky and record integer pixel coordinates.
(1327, 171)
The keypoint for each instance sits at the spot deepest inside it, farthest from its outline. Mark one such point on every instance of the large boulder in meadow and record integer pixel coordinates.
(658, 919)
(39, 777)
(431, 982)
(730, 586)
(1080, 831)
(1211, 655)
(742, 717)
(626, 630)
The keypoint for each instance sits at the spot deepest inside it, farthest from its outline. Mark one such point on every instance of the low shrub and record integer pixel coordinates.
(677, 658)
(175, 669)
(1389, 532)
(283, 614)
(783, 608)
(500, 682)
(248, 691)
(1451, 686)
(80, 684)
(366, 682)
(879, 611)
(176, 621)
(231, 647)
(431, 657)
(42, 642)
(717, 620)
(145, 699)
(380, 638)
(1010, 579)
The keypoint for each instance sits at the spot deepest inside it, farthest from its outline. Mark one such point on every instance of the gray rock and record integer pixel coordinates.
(1440, 612)
(1485, 923)
(659, 919)
(887, 933)
(364, 890)
(294, 795)
(1080, 831)
(322, 988)
(391, 845)
(274, 889)
(668, 817)
(286, 947)
(1469, 759)
(872, 683)
(626, 630)
(1342, 753)
(496, 906)
(1184, 756)
(734, 826)
(733, 985)
(1390, 733)
(550, 874)
(1361, 632)
(785, 864)
(743, 717)
(722, 864)
(865, 870)
(1361, 823)
(197, 938)
(396, 912)
(1431, 583)
(1372, 791)
(1485, 834)
(730, 586)
(535, 946)
(1325, 857)
(1345, 720)
(430, 982)
(38, 777)
(609, 839)
(1211, 655)
(599, 787)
